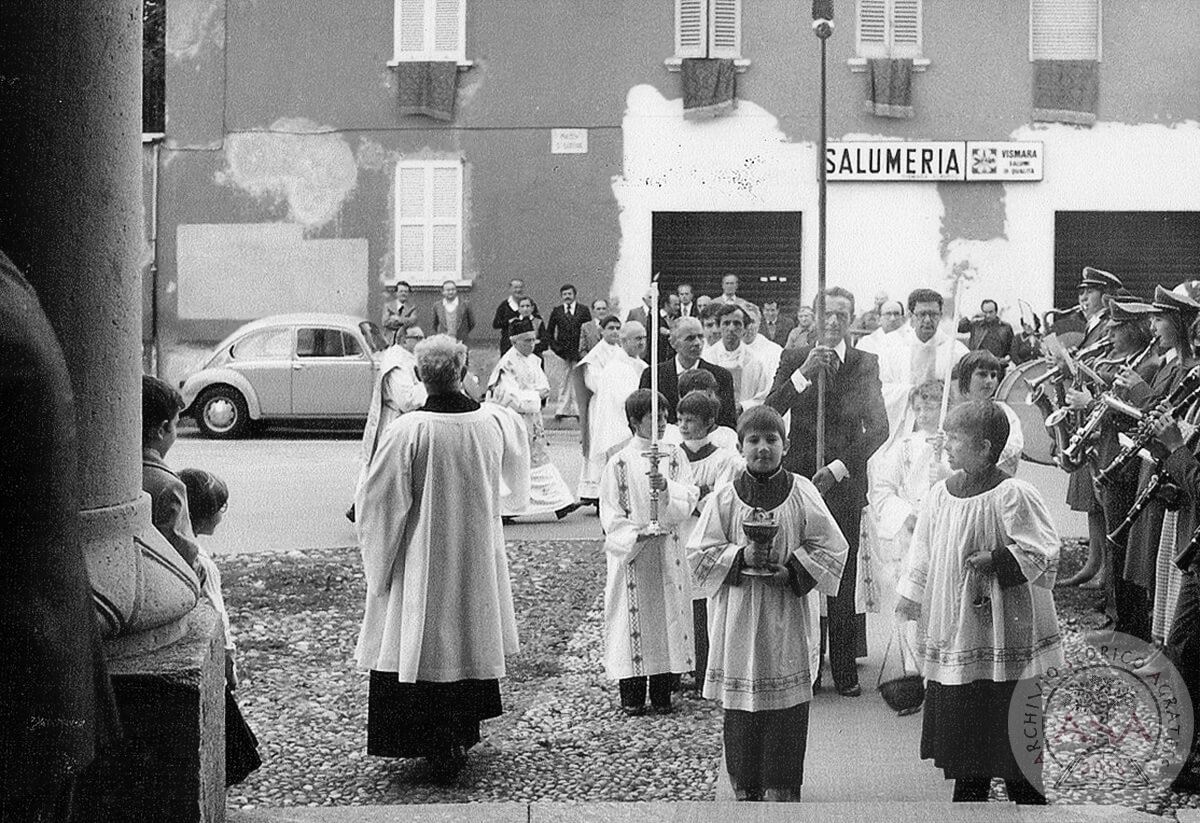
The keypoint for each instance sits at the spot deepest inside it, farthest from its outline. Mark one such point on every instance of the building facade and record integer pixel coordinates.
(289, 179)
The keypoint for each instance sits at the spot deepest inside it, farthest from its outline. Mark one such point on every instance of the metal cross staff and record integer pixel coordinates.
(822, 12)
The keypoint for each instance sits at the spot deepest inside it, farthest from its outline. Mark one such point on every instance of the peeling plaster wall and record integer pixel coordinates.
(249, 270)
(195, 74)
(295, 164)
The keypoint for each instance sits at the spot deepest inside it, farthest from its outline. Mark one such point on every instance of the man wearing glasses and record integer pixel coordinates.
(928, 353)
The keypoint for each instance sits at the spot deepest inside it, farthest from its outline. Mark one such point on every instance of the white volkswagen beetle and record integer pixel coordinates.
(286, 367)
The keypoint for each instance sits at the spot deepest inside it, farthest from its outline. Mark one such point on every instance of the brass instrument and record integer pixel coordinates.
(1183, 396)
(1076, 452)
(1062, 372)
(1062, 421)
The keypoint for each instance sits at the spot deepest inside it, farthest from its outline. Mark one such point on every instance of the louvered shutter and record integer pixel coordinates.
(445, 222)
(449, 30)
(691, 28)
(872, 28)
(905, 21)
(1064, 29)
(410, 29)
(411, 234)
(725, 29)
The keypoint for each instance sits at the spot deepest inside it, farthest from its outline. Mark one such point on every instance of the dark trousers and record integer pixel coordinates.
(975, 790)
(633, 690)
(844, 622)
(700, 628)
(1183, 643)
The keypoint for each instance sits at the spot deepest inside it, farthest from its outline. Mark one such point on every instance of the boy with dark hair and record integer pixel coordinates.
(647, 624)
(762, 619)
(978, 578)
(712, 466)
(161, 405)
(701, 380)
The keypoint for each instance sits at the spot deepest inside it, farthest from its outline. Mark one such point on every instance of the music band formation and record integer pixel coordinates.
(740, 553)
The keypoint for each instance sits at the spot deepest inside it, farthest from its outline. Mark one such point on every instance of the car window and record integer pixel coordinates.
(312, 342)
(351, 345)
(268, 344)
(373, 336)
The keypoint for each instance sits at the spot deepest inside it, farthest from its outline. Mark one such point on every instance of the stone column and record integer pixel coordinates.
(71, 219)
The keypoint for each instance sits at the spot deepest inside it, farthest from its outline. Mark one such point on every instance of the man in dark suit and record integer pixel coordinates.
(775, 327)
(687, 338)
(507, 311)
(856, 424)
(561, 336)
(452, 314)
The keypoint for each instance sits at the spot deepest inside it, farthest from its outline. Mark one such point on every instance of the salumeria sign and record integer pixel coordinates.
(944, 161)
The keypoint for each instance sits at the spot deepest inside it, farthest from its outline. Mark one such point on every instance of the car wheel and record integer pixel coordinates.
(221, 412)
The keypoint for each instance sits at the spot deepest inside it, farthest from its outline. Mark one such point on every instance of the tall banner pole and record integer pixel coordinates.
(822, 13)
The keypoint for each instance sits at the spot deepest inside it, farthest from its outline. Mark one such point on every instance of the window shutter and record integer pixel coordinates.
(906, 28)
(872, 28)
(725, 29)
(410, 222)
(409, 29)
(449, 29)
(691, 28)
(1064, 29)
(446, 222)
(429, 222)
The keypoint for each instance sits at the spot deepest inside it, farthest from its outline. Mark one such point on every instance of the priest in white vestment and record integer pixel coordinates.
(518, 382)
(609, 375)
(891, 321)
(767, 350)
(397, 390)
(647, 594)
(751, 380)
(927, 354)
(439, 612)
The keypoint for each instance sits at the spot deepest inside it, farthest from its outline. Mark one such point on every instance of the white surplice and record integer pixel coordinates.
(901, 477)
(905, 363)
(611, 376)
(769, 352)
(1010, 457)
(711, 471)
(439, 602)
(764, 641)
(1015, 634)
(647, 594)
(397, 390)
(518, 382)
(751, 381)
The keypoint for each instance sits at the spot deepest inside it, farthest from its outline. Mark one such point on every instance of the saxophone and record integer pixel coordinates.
(1077, 451)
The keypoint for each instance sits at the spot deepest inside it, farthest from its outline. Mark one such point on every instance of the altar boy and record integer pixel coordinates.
(647, 596)
(760, 627)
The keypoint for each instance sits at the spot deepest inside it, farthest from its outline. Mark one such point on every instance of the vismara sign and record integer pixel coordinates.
(941, 161)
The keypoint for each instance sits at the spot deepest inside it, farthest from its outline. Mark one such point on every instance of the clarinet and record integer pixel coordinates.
(1158, 484)
(1183, 396)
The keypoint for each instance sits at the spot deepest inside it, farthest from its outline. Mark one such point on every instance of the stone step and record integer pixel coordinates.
(691, 812)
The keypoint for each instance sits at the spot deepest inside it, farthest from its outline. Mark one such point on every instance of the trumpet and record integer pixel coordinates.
(1060, 371)
(1183, 396)
(1075, 454)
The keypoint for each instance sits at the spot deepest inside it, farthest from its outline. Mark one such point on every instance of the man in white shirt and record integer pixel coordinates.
(751, 381)
(767, 350)
(891, 320)
(687, 304)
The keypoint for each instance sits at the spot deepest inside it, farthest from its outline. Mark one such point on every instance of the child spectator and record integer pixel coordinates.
(979, 375)
(711, 467)
(760, 661)
(646, 596)
(207, 497)
(978, 579)
(161, 405)
(900, 480)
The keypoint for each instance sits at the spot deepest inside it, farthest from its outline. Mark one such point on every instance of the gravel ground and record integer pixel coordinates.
(296, 618)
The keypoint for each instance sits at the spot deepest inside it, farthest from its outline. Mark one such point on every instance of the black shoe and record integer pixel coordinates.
(508, 521)
(853, 690)
(350, 513)
(633, 711)
(667, 709)
(589, 501)
(565, 510)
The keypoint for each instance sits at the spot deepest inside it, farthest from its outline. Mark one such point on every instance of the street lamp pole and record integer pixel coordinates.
(822, 13)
